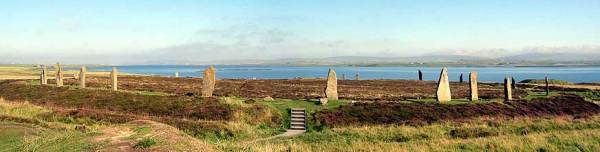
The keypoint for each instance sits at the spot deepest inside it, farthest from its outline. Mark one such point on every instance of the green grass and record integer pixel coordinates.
(522, 134)
(145, 143)
(23, 136)
(311, 106)
(533, 95)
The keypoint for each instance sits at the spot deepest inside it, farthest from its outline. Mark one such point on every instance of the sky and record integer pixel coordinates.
(197, 30)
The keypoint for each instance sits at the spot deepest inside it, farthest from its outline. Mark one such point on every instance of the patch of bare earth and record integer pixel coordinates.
(123, 138)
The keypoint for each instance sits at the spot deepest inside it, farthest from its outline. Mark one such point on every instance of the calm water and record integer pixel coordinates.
(491, 74)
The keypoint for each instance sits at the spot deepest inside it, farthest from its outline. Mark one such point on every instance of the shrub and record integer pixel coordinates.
(145, 143)
(550, 81)
(425, 113)
(472, 133)
(173, 106)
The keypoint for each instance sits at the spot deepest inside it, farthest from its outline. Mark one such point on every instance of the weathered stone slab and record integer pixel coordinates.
(113, 79)
(331, 89)
(208, 82)
(59, 75)
(177, 74)
(461, 78)
(547, 86)
(443, 89)
(473, 85)
(82, 73)
(514, 83)
(43, 75)
(268, 98)
(507, 89)
(420, 75)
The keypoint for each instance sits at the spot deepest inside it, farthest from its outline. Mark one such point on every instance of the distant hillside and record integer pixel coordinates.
(556, 57)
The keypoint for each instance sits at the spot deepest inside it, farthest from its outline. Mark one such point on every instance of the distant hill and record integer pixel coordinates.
(557, 57)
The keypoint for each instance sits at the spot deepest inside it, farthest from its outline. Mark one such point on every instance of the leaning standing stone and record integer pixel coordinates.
(443, 90)
(208, 82)
(461, 78)
(331, 89)
(473, 86)
(547, 86)
(513, 84)
(59, 75)
(507, 89)
(113, 78)
(43, 78)
(82, 73)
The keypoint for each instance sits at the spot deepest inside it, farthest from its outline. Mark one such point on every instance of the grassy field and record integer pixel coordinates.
(521, 134)
(44, 118)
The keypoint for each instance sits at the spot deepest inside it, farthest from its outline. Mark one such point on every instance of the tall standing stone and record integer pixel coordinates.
(43, 78)
(513, 83)
(507, 89)
(113, 78)
(208, 82)
(82, 73)
(331, 89)
(420, 75)
(547, 86)
(59, 75)
(177, 74)
(343, 76)
(357, 76)
(473, 85)
(461, 78)
(443, 89)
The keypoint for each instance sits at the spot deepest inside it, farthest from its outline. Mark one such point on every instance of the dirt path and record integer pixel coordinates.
(288, 133)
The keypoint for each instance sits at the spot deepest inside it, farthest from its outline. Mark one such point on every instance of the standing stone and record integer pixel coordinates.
(177, 74)
(59, 75)
(507, 89)
(343, 76)
(473, 86)
(513, 83)
(420, 75)
(82, 73)
(547, 86)
(461, 78)
(443, 89)
(113, 78)
(208, 82)
(43, 78)
(331, 89)
(357, 76)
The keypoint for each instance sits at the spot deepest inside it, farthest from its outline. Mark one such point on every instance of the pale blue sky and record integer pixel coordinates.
(283, 28)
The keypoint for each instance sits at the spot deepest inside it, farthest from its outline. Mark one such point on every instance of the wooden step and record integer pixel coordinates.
(298, 119)
(298, 116)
